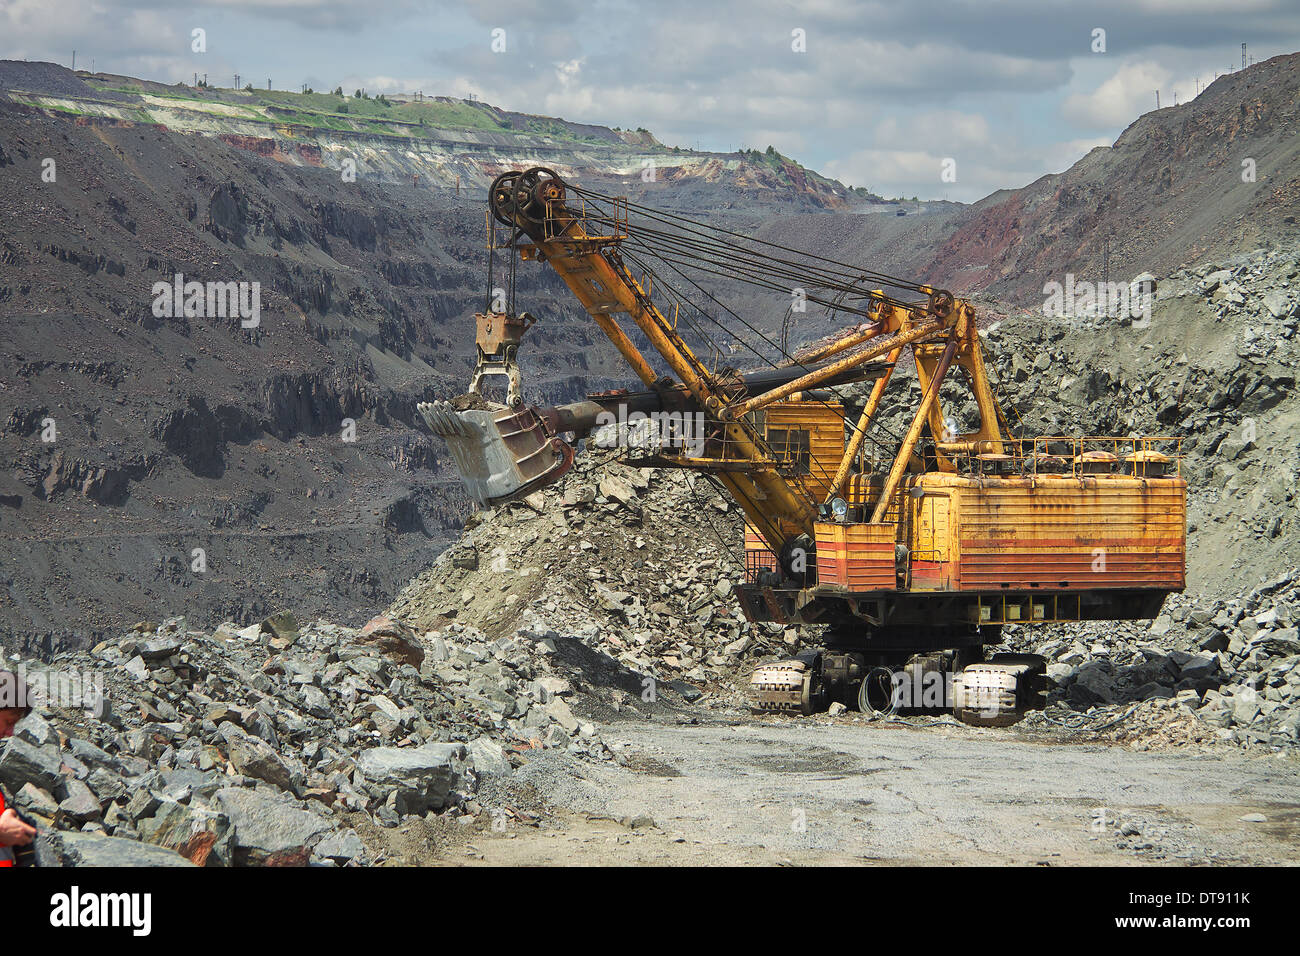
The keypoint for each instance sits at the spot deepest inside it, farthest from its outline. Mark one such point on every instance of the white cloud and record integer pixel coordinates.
(41, 28)
(1128, 93)
(1058, 157)
(956, 129)
(568, 72)
(982, 160)
(902, 173)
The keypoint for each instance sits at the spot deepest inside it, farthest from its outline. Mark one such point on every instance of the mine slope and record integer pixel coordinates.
(1212, 177)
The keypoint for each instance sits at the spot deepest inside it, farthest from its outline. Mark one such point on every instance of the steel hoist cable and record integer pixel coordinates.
(852, 426)
(685, 223)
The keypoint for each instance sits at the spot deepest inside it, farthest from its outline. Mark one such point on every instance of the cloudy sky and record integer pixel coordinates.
(877, 94)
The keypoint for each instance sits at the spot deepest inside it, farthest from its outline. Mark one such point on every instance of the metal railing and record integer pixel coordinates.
(758, 560)
(596, 222)
(1056, 455)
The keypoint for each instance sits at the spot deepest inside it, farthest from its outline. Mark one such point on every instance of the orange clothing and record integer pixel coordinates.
(6, 857)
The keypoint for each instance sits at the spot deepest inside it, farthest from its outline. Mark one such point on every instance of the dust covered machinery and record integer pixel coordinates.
(915, 548)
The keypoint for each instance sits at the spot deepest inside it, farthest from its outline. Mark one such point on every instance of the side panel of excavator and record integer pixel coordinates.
(987, 538)
(1108, 523)
(1064, 533)
(1052, 533)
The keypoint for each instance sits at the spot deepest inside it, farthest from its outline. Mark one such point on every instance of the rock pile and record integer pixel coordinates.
(260, 745)
(1232, 664)
(637, 564)
(256, 745)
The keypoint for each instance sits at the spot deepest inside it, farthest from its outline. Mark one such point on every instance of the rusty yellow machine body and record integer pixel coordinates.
(915, 558)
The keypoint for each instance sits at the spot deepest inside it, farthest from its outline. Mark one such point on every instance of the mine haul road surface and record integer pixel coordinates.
(801, 792)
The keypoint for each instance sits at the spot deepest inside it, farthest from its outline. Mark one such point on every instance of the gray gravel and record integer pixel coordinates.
(896, 794)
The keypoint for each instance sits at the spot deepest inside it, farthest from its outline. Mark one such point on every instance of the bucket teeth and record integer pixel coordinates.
(442, 419)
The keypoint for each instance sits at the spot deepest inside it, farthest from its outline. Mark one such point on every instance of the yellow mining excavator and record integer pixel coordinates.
(915, 548)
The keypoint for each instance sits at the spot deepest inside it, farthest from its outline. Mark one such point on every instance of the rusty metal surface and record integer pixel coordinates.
(824, 424)
(859, 557)
(1050, 532)
(758, 556)
(1063, 532)
(495, 330)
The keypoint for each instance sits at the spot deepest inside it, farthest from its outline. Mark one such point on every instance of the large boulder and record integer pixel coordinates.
(254, 757)
(419, 777)
(341, 847)
(79, 801)
(393, 639)
(1278, 303)
(268, 829)
(95, 849)
(1200, 667)
(24, 762)
(283, 628)
(1092, 685)
(159, 650)
(616, 489)
(489, 758)
(1245, 705)
(200, 836)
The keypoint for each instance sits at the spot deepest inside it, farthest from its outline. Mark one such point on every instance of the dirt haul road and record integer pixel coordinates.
(847, 792)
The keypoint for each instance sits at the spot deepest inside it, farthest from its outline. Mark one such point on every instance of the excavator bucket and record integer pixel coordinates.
(501, 453)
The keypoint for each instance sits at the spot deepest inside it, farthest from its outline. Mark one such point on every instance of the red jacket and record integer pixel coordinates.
(6, 854)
